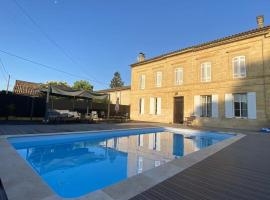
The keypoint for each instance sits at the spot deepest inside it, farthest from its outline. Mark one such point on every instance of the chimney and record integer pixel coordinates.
(260, 21)
(141, 57)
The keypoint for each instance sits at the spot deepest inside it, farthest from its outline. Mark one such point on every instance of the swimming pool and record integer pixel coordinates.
(76, 164)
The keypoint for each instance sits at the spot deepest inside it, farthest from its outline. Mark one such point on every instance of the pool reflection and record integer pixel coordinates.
(97, 163)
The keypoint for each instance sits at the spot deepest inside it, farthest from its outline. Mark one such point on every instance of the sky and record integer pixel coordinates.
(91, 39)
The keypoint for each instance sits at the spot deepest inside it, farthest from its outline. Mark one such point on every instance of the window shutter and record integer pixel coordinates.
(252, 110)
(208, 72)
(215, 106)
(202, 73)
(150, 141)
(152, 105)
(177, 77)
(142, 106)
(242, 66)
(158, 106)
(235, 67)
(229, 106)
(197, 106)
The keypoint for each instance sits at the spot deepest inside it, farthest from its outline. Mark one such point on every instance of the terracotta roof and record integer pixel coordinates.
(114, 89)
(228, 39)
(27, 88)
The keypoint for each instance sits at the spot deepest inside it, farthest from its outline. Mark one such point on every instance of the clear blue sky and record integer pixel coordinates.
(105, 36)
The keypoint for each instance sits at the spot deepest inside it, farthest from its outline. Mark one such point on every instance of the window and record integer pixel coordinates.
(206, 106)
(142, 82)
(141, 106)
(239, 67)
(178, 76)
(155, 105)
(158, 79)
(240, 105)
(206, 72)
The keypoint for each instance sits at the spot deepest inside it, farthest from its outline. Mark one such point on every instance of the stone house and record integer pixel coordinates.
(121, 93)
(222, 83)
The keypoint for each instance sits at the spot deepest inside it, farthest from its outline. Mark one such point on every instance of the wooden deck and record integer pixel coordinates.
(240, 171)
(3, 195)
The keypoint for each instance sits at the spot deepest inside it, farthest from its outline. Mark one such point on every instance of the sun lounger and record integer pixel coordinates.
(63, 115)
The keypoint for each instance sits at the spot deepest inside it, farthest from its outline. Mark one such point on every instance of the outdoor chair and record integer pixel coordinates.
(189, 120)
(74, 114)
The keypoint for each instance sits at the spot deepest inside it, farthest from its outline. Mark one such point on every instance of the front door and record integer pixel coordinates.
(178, 110)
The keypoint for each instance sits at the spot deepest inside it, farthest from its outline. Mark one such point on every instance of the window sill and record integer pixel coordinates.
(239, 77)
(178, 84)
(240, 118)
(206, 81)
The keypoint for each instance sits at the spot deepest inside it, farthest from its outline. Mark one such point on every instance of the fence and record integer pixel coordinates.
(21, 106)
(26, 106)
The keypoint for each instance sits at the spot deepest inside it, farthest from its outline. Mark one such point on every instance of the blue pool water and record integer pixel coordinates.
(76, 164)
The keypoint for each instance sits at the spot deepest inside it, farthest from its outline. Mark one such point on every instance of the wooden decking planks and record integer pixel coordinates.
(3, 195)
(241, 172)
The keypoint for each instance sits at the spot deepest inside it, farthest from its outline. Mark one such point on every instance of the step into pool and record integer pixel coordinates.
(79, 163)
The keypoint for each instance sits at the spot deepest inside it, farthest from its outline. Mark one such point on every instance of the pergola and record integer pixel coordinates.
(64, 91)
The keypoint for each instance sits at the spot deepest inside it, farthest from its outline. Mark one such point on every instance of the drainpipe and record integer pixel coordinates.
(47, 104)
(109, 100)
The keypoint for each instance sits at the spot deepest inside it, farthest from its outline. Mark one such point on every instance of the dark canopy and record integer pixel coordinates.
(70, 92)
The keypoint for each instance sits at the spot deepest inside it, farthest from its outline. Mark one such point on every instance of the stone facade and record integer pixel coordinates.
(254, 45)
(123, 93)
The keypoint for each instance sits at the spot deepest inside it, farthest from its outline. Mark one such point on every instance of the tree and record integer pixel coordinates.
(57, 83)
(116, 81)
(82, 85)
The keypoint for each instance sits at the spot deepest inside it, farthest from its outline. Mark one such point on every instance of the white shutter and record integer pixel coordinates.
(197, 106)
(242, 65)
(152, 105)
(142, 106)
(208, 72)
(158, 147)
(150, 141)
(252, 111)
(229, 106)
(202, 73)
(158, 106)
(215, 106)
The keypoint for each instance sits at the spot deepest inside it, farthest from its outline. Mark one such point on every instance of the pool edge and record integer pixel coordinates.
(132, 186)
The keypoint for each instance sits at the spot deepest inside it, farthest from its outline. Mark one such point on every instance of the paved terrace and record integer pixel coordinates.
(239, 171)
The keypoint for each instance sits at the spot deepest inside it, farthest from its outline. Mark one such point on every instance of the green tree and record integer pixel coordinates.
(57, 83)
(116, 81)
(82, 85)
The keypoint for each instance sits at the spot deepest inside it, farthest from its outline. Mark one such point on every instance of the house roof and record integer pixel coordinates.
(114, 89)
(224, 40)
(27, 88)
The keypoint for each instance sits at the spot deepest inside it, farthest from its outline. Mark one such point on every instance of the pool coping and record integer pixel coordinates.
(29, 185)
